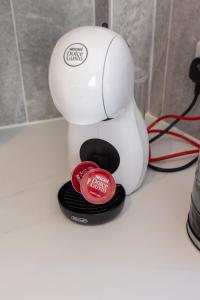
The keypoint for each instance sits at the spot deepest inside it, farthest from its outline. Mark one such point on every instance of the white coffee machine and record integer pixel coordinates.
(91, 79)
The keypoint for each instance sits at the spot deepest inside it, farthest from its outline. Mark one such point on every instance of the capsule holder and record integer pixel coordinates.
(77, 209)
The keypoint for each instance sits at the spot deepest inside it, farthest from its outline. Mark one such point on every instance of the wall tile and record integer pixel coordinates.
(160, 53)
(101, 12)
(39, 25)
(11, 100)
(184, 36)
(133, 19)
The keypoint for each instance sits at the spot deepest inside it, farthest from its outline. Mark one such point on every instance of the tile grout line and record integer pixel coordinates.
(94, 12)
(167, 56)
(110, 14)
(151, 61)
(19, 62)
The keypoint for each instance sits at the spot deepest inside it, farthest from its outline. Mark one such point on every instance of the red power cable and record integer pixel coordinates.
(181, 136)
(193, 118)
(173, 155)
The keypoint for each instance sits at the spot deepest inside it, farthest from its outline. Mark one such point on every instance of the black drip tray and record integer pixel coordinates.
(75, 207)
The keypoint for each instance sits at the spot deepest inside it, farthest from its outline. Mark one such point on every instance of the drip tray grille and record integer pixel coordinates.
(79, 210)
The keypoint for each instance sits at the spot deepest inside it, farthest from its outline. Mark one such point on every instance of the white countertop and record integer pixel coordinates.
(144, 253)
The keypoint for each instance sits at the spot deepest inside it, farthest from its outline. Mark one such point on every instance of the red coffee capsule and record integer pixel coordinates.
(80, 171)
(98, 186)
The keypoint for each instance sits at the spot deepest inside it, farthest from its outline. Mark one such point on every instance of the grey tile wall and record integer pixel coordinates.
(184, 34)
(133, 19)
(160, 55)
(30, 28)
(33, 27)
(11, 97)
(39, 24)
(101, 12)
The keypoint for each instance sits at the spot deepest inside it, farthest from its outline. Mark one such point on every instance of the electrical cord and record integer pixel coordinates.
(181, 168)
(178, 154)
(194, 101)
(187, 165)
(177, 134)
(174, 155)
(190, 118)
(194, 74)
(173, 170)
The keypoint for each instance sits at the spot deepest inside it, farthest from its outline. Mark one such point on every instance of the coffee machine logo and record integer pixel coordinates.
(79, 220)
(75, 54)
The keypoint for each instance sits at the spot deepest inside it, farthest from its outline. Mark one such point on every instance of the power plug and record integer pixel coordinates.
(197, 54)
(194, 72)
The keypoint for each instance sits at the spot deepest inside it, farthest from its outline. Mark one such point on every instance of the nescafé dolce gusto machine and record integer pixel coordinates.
(91, 78)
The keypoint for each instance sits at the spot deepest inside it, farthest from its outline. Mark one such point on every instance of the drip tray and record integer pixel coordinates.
(77, 209)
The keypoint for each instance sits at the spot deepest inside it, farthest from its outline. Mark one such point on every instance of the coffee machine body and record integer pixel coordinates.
(91, 79)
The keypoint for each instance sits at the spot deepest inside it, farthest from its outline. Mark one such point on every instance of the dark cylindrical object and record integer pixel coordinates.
(193, 222)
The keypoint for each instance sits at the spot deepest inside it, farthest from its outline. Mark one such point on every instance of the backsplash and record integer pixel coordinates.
(133, 19)
(101, 12)
(177, 32)
(162, 35)
(29, 30)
